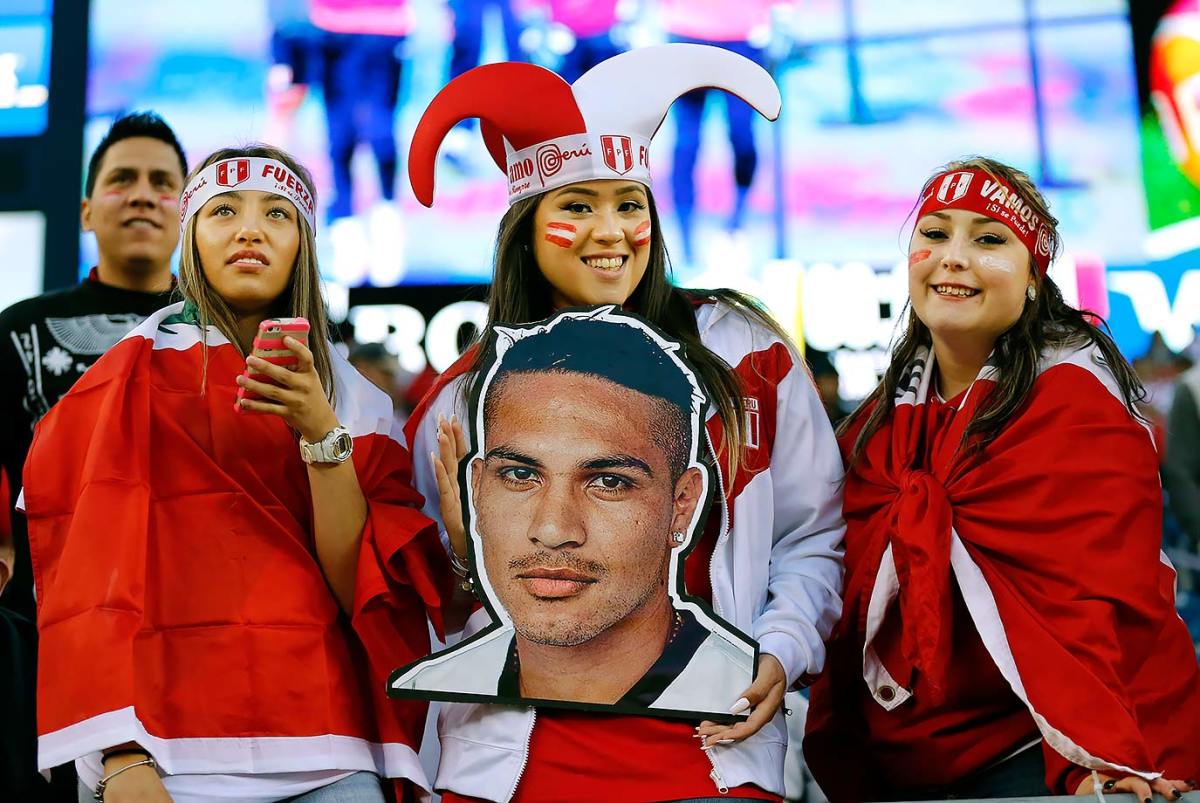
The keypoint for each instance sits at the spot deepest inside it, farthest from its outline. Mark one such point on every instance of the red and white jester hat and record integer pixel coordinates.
(545, 133)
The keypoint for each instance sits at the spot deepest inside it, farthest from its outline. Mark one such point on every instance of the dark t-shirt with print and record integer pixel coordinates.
(46, 343)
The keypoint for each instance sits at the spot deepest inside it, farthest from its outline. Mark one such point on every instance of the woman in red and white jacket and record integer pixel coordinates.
(770, 560)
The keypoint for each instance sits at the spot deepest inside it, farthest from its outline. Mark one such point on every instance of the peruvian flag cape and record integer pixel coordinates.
(1053, 537)
(180, 601)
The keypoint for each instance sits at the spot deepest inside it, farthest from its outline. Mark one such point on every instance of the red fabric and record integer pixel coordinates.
(926, 743)
(1062, 515)
(978, 191)
(172, 545)
(604, 758)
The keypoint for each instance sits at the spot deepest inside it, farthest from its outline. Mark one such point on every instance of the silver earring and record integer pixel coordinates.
(678, 537)
(1031, 293)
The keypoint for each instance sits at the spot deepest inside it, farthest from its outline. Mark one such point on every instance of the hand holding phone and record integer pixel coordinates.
(268, 345)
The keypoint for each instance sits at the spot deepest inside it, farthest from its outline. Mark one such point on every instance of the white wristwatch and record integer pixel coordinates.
(333, 448)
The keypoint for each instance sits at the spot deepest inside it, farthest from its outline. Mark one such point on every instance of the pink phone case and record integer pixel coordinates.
(268, 345)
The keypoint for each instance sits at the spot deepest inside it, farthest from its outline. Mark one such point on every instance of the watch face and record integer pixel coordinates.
(342, 445)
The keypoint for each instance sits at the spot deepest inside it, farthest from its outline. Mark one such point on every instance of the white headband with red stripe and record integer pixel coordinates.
(254, 173)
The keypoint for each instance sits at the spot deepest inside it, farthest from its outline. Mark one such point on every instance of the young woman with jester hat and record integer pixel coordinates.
(224, 583)
(1009, 626)
(581, 230)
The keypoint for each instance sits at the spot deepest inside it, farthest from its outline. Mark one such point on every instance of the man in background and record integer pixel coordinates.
(131, 204)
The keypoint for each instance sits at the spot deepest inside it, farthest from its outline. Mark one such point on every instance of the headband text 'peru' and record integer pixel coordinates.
(978, 191)
(250, 173)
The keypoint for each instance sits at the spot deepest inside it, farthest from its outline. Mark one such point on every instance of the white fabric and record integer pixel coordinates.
(238, 755)
(243, 174)
(776, 573)
(242, 788)
(714, 677)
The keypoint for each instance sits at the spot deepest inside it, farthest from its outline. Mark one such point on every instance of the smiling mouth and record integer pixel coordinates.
(954, 291)
(140, 223)
(605, 264)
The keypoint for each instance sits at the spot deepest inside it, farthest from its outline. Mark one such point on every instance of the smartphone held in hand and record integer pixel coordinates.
(268, 345)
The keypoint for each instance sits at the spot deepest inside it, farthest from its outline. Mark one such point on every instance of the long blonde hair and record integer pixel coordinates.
(301, 299)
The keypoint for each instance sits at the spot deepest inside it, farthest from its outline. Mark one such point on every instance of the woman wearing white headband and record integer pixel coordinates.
(582, 229)
(225, 581)
(1009, 625)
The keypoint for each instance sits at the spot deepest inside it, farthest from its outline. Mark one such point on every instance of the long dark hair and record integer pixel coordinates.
(1045, 324)
(520, 293)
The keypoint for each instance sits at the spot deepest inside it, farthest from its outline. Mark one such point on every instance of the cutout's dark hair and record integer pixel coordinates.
(622, 354)
(137, 124)
(1045, 324)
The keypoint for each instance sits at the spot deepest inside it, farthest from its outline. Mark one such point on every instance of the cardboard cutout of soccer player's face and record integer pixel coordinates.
(575, 504)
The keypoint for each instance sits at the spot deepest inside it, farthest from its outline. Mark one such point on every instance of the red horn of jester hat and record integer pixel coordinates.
(545, 133)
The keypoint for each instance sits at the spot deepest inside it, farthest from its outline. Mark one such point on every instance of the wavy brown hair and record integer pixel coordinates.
(302, 297)
(521, 294)
(1045, 324)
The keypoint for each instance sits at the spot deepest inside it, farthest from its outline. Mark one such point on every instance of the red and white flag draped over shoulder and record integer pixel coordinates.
(1054, 541)
(180, 602)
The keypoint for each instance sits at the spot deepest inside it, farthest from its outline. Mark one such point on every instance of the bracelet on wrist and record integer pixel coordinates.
(459, 566)
(98, 795)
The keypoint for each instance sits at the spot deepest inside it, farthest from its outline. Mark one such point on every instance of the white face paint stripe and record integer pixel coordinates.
(561, 234)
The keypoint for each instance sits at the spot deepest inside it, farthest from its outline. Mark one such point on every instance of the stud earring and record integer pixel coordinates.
(1031, 293)
(678, 537)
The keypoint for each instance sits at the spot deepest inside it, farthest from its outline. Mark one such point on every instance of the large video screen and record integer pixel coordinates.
(24, 66)
(807, 213)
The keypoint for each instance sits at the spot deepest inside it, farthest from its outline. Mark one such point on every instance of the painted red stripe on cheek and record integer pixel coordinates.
(562, 242)
(918, 256)
(556, 226)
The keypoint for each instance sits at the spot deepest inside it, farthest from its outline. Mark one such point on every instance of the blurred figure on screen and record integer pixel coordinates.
(466, 51)
(295, 64)
(579, 32)
(361, 51)
(131, 205)
(743, 27)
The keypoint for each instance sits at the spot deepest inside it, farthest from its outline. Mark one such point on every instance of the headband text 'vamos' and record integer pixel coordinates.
(978, 191)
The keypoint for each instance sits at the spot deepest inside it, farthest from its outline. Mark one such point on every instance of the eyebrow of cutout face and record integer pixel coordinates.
(595, 464)
(508, 453)
(618, 461)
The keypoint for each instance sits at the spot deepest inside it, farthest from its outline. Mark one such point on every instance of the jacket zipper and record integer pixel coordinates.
(724, 521)
(524, 755)
(715, 774)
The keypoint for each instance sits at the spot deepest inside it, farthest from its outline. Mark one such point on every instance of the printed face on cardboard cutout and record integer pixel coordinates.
(585, 489)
